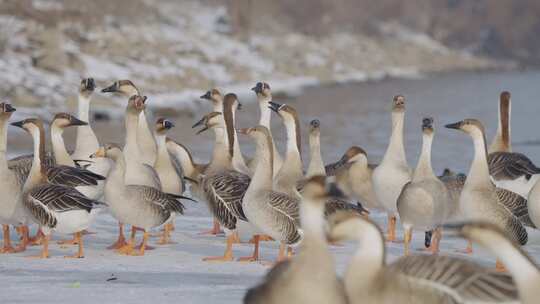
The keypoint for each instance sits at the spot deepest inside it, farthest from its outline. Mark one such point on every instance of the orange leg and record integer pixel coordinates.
(129, 249)
(499, 266)
(45, 251)
(227, 256)
(37, 239)
(290, 252)
(166, 236)
(79, 241)
(23, 231)
(255, 256)
(236, 237)
(435, 241)
(469, 249)
(214, 231)
(266, 238)
(391, 237)
(73, 241)
(7, 241)
(121, 241)
(144, 243)
(281, 253)
(407, 240)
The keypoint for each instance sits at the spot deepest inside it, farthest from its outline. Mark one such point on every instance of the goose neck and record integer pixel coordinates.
(479, 172)
(83, 108)
(132, 122)
(61, 155)
(184, 157)
(220, 157)
(501, 142)
(396, 150)
(313, 224)
(86, 141)
(3, 142)
(264, 159)
(265, 112)
(316, 164)
(424, 169)
(37, 173)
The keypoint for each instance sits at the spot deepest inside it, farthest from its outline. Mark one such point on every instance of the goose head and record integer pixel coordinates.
(30, 125)
(471, 126)
(214, 96)
(87, 87)
(136, 104)
(352, 156)
(6, 110)
(209, 121)
(314, 127)
(262, 90)
(163, 125)
(231, 103)
(64, 120)
(427, 125)
(258, 133)
(110, 150)
(122, 87)
(346, 226)
(317, 189)
(398, 104)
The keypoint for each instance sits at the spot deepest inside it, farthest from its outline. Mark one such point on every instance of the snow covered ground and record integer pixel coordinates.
(172, 273)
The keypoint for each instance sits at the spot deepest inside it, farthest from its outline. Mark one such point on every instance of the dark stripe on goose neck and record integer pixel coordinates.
(504, 112)
(229, 120)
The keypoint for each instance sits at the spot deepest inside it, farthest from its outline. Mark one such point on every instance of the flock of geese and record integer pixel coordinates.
(142, 185)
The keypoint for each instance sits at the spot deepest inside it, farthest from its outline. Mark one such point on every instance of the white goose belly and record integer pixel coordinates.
(10, 205)
(260, 215)
(520, 185)
(70, 222)
(533, 204)
(388, 181)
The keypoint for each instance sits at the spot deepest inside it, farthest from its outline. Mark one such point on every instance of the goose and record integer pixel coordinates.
(145, 138)
(509, 170)
(393, 172)
(274, 213)
(264, 97)
(413, 279)
(86, 141)
(222, 185)
(11, 211)
(138, 205)
(170, 176)
(479, 199)
(424, 201)
(49, 196)
(316, 164)
(309, 277)
(286, 179)
(523, 269)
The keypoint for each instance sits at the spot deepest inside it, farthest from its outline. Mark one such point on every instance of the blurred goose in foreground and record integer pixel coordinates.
(222, 185)
(424, 201)
(510, 170)
(291, 171)
(310, 276)
(138, 205)
(523, 269)
(170, 176)
(273, 213)
(264, 97)
(479, 199)
(414, 279)
(145, 138)
(49, 196)
(11, 209)
(393, 172)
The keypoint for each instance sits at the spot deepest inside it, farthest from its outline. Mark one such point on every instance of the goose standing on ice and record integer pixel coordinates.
(274, 213)
(523, 269)
(509, 170)
(171, 177)
(138, 205)
(310, 277)
(11, 209)
(145, 138)
(479, 199)
(264, 97)
(286, 179)
(414, 279)
(222, 185)
(393, 172)
(49, 196)
(424, 201)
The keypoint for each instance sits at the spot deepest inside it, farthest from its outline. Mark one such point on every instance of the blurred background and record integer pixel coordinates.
(338, 60)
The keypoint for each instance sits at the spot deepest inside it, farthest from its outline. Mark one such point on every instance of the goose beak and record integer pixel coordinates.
(88, 84)
(168, 125)
(9, 109)
(274, 106)
(258, 88)
(315, 123)
(207, 95)
(18, 124)
(110, 89)
(456, 125)
(239, 108)
(99, 153)
(77, 122)
(244, 131)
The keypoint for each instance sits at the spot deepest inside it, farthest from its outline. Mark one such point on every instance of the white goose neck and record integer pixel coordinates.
(83, 107)
(146, 140)
(61, 155)
(396, 150)
(86, 142)
(132, 122)
(266, 113)
(479, 172)
(221, 159)
(262, 177)
(313, 223)
(423, 169)
(35, 176)
(368, 261)
(3, 142)
(316, 164)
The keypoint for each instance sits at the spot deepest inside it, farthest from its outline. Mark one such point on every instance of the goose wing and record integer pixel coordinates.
(463, 280)
(178, 169)
(510, 166)
(163, 200)
(21, 165)
(71, 176)
(225, 192)
(285, 216)
(334, 204)
(516, 204)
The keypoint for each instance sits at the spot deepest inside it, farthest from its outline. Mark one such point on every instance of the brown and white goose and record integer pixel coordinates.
(510, 170)
(49, 196)
(145, 138)
(222, 185)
